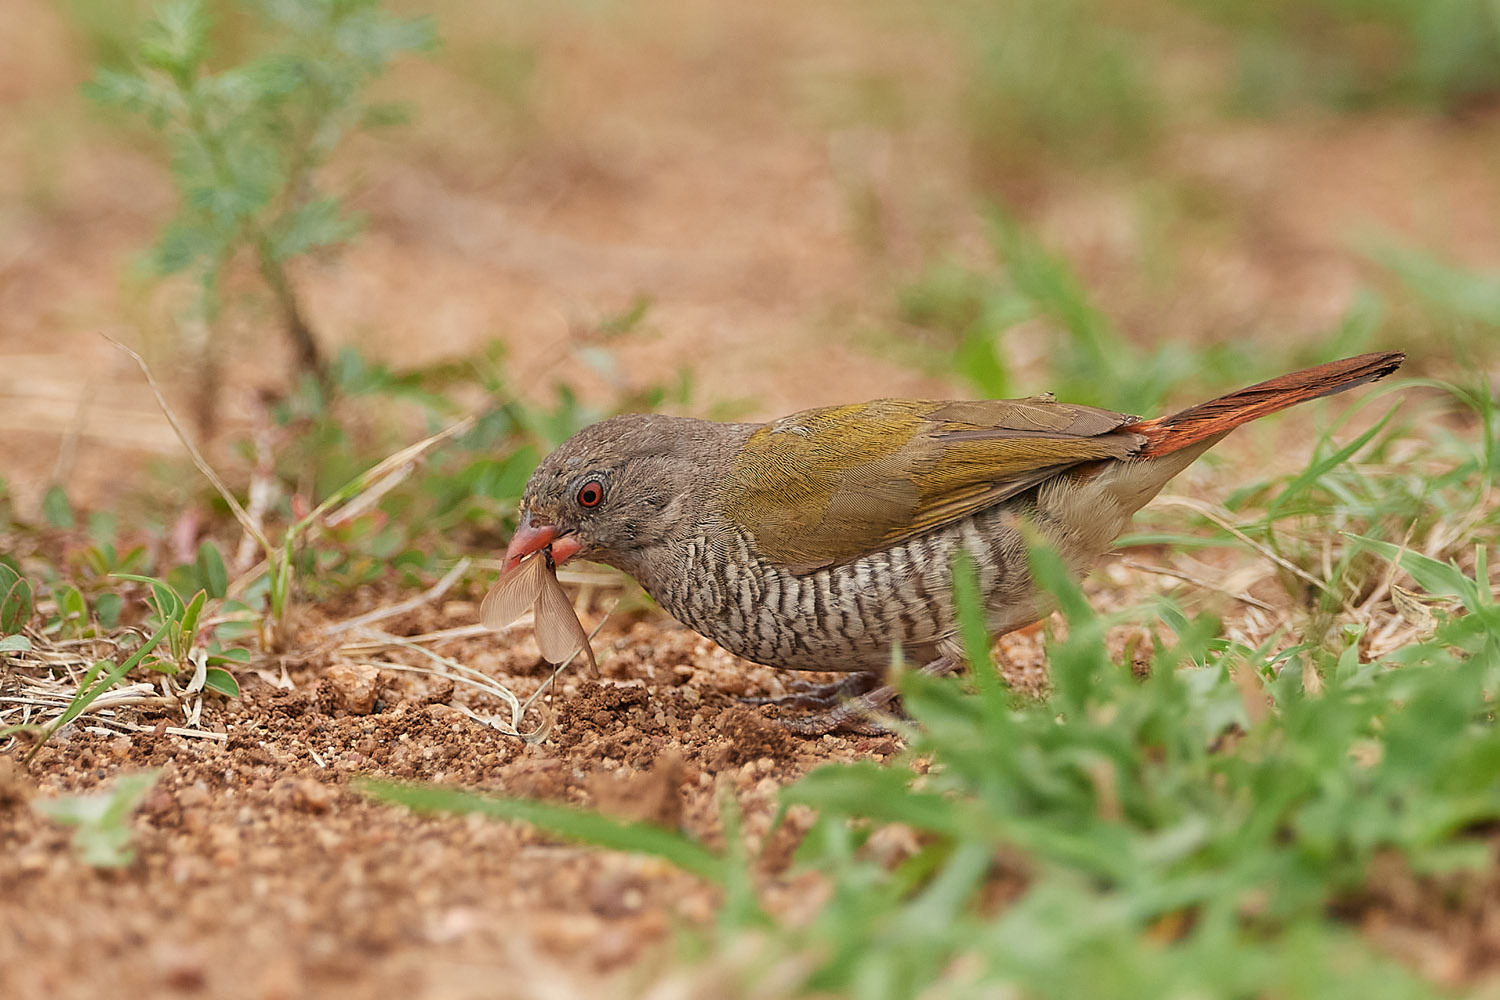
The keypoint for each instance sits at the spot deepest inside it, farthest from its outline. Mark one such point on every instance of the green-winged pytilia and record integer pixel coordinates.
(826, 540)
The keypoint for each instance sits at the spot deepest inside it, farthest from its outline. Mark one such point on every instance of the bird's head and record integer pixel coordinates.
(616, 488)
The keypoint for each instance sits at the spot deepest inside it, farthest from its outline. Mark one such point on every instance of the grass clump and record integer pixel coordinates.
(1183, 835)
(1354, 54)
(970, 314)
(1190, 830)
(1053, 77)
(1214, 828)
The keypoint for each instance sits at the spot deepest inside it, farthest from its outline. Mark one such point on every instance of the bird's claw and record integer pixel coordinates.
(857, 715)
(807, 695)
(854, 717)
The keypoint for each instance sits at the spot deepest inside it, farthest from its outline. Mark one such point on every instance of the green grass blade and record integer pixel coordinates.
(564, 821)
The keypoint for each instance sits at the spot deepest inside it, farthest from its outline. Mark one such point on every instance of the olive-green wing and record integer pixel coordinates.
(825, 486)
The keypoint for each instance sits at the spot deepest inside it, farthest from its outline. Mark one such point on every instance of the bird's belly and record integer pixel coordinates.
(855, 615)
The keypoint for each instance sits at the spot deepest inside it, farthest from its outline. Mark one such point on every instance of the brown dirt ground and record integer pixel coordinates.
(698, 153)
(261, 873)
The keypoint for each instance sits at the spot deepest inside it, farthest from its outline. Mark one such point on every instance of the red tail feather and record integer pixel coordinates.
(1196, 423)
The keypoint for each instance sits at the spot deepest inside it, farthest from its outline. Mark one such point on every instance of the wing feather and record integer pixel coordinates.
(825, 486)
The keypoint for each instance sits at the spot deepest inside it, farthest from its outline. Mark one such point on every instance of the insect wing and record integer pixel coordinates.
(514, 593)
(559, 633)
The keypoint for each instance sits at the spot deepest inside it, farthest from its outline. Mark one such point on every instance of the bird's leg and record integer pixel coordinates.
(854, 716)
(808, 695)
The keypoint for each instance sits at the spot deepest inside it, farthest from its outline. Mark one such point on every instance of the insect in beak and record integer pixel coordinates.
(530, 581)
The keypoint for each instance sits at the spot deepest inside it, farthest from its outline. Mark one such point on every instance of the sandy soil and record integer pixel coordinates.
(261, 873)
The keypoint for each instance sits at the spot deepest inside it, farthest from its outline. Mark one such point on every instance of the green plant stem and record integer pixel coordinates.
(304, 344)
(309, 357)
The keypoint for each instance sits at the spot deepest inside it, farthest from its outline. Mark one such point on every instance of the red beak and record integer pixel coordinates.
(531, 538)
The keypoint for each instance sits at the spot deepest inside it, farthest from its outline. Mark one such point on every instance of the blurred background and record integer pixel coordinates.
(727, 209)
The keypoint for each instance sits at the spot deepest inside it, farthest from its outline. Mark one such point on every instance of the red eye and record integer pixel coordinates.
(590, 494)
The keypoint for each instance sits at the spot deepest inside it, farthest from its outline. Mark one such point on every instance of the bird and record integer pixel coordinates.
(826, 540)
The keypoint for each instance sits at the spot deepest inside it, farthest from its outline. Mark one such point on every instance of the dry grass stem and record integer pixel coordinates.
(441, 635)
(411, 604)
(240, 514)
(384, 476)
(1220, 517)
(262, 491)
(1198, 582)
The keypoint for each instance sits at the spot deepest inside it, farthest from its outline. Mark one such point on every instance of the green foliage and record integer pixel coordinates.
(56, 508)
(1127, 816)
(247, 141)
(178, 643)
(183, 622)
(1181, 835)
(1355, 53)
(1403, 477)
(1461, 305)
(17, 602)
(102, 837)
(1053, 76)
(1088, 358)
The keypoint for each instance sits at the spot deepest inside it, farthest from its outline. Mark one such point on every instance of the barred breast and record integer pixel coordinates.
(853, 615)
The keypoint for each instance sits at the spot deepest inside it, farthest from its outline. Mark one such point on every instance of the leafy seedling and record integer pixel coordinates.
(249, 142)
(102, 819)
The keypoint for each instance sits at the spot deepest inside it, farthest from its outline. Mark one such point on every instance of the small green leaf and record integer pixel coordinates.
(222, 681)
(211, 573)
(1444, 579)
(57, 510)
(101, 529)
(14, 644)
(316, 224)
(107, 607)
(16, 601)
(72, 607)
(176, 40)
(102, 818)
(125, 89)
(968, 608)
(190, 615)
(169, 606)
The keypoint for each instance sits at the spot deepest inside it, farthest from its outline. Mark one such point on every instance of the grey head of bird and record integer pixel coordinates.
(619, 489)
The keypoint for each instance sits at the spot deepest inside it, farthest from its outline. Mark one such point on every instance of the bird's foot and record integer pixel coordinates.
(807, 695)
(856, 716)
